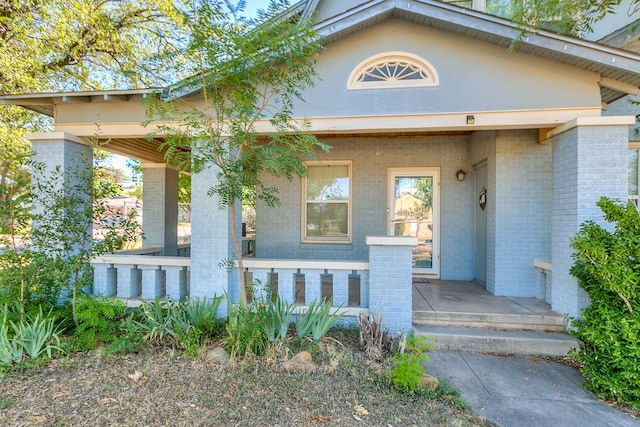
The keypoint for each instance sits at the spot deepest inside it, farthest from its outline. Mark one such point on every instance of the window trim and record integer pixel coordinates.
(303, 217)
(415, 60)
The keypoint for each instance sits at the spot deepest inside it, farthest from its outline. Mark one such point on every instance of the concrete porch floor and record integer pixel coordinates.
(465, 316)
(470, 297)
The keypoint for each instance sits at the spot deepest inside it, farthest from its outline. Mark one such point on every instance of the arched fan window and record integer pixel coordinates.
(392, 70)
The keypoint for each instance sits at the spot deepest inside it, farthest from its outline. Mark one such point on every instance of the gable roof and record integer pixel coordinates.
(619, 70)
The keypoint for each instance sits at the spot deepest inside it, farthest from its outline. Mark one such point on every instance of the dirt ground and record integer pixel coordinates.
(162, 387)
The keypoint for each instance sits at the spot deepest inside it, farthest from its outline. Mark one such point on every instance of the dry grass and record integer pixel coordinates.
(161, 387)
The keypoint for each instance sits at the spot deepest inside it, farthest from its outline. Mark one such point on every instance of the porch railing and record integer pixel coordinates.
(143, 275)
(382, 284)
(303, 281)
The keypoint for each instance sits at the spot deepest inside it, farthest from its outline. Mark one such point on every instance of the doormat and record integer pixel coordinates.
(420, 280)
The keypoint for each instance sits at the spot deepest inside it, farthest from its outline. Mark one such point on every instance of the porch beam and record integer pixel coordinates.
(434, 122)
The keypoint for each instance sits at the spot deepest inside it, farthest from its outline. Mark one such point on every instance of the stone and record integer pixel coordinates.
(301, 362)
(217, 356)
(430, 382)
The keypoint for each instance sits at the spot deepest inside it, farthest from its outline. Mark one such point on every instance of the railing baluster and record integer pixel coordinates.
(153, 278)
(364, 288)
(128, 285)
(341, 287)
(176, 282)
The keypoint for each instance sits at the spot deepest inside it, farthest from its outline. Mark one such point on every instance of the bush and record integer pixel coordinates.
(30, 281)
(27, 340)
(316, 320)
(607, 266)
(99, 321)
(246, 330)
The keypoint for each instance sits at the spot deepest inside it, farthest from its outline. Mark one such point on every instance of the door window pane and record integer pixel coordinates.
(413, 215)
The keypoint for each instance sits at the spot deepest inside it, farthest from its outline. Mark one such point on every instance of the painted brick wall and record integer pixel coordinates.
(588, 163)
(278, 229)
(518, 208)
(68, 154)
(522, 211)
(210, 240)
(390, 276)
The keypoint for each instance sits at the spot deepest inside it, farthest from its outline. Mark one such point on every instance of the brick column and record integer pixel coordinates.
(211, 241)
(59, 149)
(160, 207)
(390, 282)
(589, 161)
(72, 156)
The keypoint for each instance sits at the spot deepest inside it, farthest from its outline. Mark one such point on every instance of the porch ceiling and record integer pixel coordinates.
(135, 148)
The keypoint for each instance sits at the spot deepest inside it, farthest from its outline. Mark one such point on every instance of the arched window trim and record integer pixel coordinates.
(417, 64)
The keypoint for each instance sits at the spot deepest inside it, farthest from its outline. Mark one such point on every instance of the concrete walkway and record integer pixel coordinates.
(523, 391)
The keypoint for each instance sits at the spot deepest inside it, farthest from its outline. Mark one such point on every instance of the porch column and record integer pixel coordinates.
(211, 240)
(390, 280)
(160, 207)
(589, 161)
(61, 149)
(71, 154)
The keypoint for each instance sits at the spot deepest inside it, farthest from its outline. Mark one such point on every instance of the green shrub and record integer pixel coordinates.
(30, 281)
(408, 369)
(278, 319)
(245, 329)
(316, 320)
(607, 266)
(130, 339)
(160, 322)
(99, 321)
(200, 323)
(27, 340)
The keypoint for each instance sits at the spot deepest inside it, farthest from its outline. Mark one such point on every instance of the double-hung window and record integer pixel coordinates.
(326, 209)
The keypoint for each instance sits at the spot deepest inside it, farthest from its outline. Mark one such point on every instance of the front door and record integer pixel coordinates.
(413, 210)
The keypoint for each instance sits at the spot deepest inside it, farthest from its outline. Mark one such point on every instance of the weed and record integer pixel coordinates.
(407, 372)
(5, 402)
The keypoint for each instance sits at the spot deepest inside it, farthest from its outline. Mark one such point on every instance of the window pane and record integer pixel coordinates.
(327, 219)
(633, 173)
(328, 182)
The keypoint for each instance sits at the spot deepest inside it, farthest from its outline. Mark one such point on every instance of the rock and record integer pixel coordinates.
(301, 362)
(217, 356)
(430, 382)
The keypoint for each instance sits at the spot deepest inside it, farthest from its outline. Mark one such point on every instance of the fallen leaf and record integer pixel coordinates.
(136, 376)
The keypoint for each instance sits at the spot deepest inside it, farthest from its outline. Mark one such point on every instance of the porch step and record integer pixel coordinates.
(484, 340)
(531, 322)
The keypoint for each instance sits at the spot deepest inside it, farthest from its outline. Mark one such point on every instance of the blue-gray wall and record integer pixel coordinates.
(518, 203)
(278, 229)
(474, 76)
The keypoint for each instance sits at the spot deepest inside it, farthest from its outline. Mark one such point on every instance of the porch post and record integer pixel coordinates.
(71, 154)
(60, 149)
(211, 240)
(589, 162)
(160, 207)
(390, 282)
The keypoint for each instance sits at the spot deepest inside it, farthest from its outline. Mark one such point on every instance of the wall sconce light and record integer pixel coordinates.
(471, 119)
(460, 175)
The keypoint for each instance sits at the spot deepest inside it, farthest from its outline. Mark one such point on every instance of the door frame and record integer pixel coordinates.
(392, 174)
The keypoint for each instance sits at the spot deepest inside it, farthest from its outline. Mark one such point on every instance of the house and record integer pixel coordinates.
(453, 157)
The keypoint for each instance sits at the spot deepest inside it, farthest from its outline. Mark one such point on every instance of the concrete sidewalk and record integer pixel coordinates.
(522, 391)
